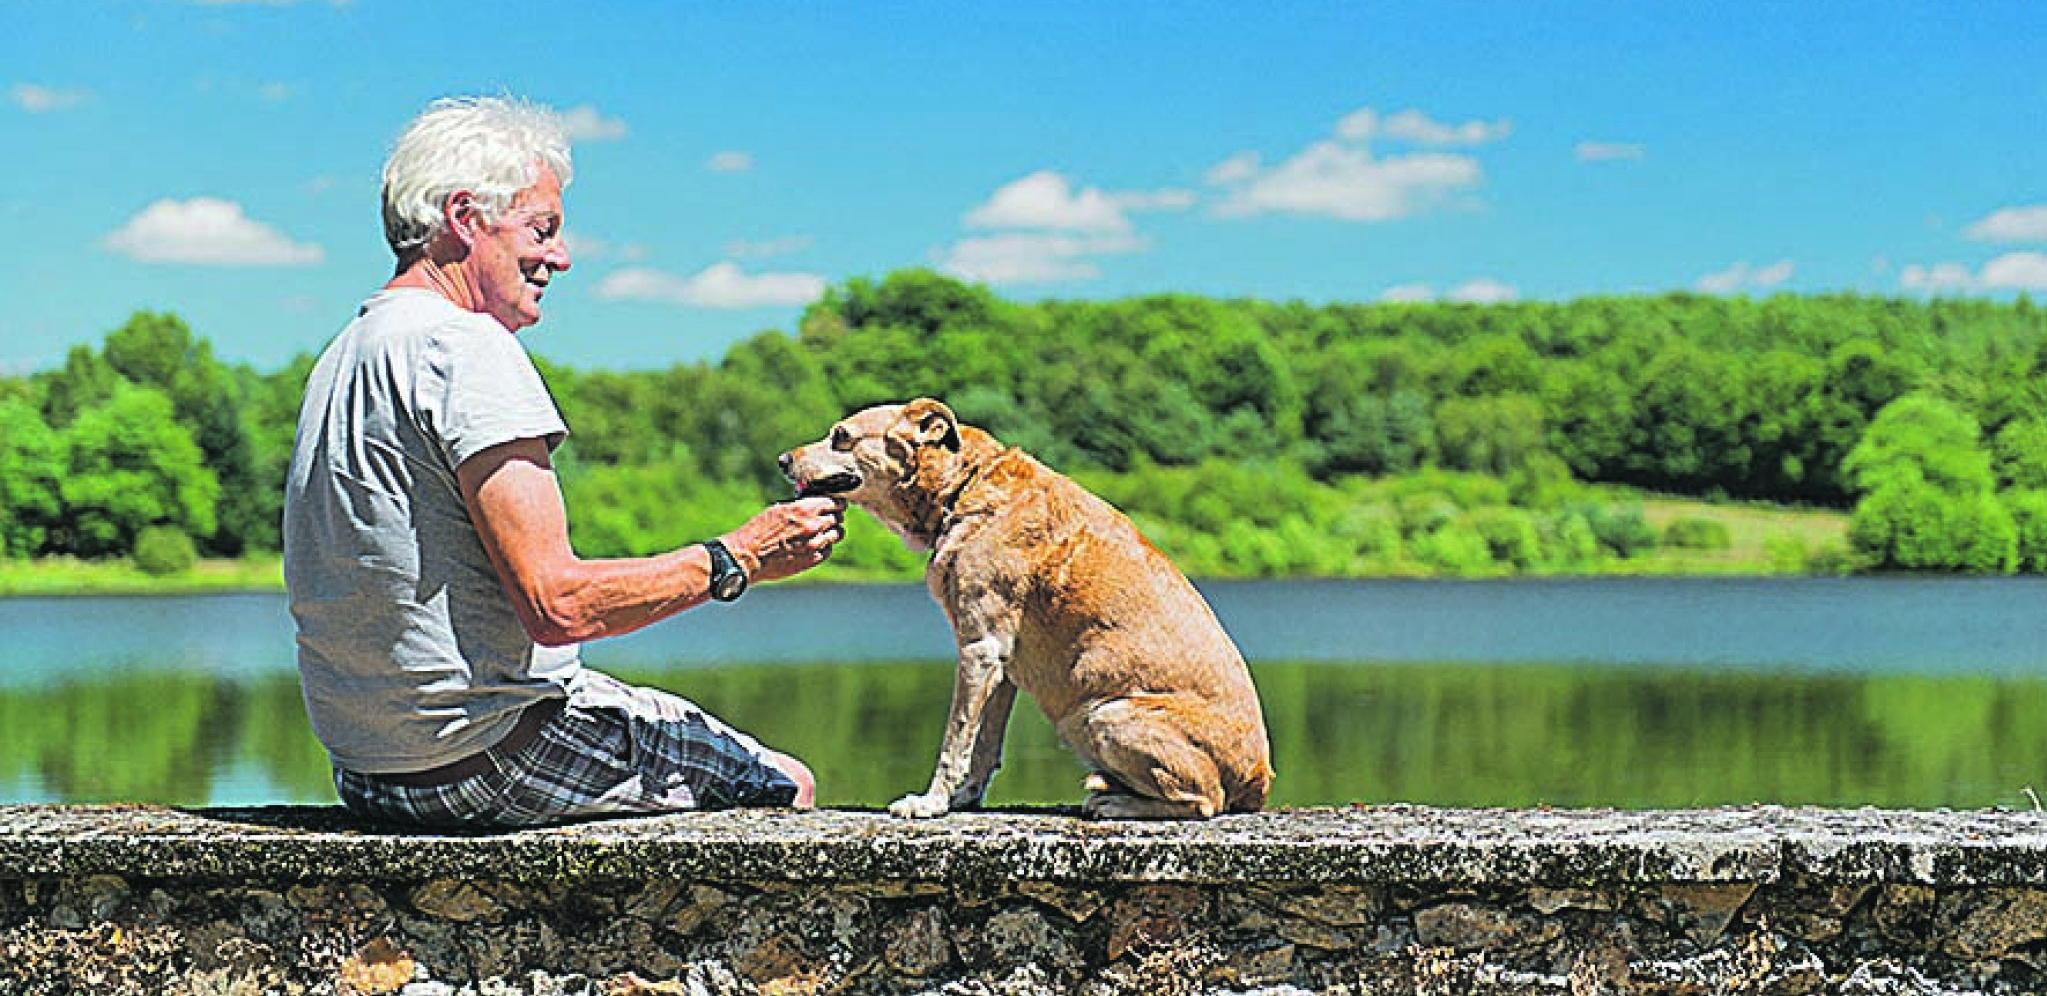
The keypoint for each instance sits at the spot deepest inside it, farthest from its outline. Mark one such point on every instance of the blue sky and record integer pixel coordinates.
(220, 159)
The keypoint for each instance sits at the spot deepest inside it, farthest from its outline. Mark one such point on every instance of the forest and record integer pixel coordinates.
(1247, 438)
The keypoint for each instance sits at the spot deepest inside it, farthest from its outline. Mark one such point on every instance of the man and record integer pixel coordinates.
(438, 601)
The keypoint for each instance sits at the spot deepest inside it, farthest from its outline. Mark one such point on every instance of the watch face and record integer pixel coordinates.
(726, 587)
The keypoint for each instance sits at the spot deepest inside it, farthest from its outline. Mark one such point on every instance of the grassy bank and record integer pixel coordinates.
(66, 576)
(1761, 539)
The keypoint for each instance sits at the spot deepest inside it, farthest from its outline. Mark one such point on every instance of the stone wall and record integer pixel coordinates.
(1393, 900)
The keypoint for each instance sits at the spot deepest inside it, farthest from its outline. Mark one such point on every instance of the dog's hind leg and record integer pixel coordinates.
(1148, 769)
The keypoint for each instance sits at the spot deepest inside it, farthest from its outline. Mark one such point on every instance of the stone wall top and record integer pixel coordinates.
(1358, 845)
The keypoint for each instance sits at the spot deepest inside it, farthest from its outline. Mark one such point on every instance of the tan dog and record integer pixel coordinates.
(1051, 590)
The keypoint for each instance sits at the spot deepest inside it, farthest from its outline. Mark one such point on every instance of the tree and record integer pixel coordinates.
(1929, 499)
(1490, 435)
(31, 471)
(129, 465)
(158, 350)
(2020, 454)
(919, 299)
(85, 380)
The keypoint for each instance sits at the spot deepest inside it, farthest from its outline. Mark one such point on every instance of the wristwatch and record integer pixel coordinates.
(728, 579)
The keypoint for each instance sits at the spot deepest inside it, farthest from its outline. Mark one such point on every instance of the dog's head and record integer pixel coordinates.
(874, 456)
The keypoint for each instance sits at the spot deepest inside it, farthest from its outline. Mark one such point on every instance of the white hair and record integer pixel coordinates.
(492, 147)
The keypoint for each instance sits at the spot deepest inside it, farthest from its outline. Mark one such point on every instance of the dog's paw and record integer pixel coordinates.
(919, 807)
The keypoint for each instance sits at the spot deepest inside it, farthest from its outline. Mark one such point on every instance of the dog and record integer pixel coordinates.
(1052, 590)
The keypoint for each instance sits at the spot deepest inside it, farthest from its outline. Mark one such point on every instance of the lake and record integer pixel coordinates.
(1621, 692)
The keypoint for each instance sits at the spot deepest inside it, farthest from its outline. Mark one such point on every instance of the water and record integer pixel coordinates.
(1635, 693)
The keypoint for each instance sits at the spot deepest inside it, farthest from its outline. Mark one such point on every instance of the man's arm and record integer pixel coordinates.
(516, 503)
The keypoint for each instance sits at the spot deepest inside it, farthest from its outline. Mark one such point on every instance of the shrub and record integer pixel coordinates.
(1510, 536)
(1457, 548)
(1622, 530)
(1914, 526)
(2028, 508)
(161, 551)
(1697, 534)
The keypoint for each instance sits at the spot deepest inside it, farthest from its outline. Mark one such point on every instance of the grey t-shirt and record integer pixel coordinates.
(410, 655)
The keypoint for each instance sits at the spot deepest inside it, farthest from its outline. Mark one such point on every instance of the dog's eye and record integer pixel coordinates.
(842, 440)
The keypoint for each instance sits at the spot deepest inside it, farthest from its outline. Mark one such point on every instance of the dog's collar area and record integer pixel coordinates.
(937, 518)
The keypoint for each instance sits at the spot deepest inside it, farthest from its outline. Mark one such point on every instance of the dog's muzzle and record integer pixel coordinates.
(835, 484)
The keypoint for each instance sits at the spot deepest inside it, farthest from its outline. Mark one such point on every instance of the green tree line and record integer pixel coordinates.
(1247, 437)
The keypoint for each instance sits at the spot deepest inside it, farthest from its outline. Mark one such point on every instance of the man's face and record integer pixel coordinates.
(515, 258)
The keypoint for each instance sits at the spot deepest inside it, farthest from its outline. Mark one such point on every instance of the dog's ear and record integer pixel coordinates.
(935, 423)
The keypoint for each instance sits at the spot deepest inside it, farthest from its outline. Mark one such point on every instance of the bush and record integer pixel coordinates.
(1914, 526)
(1456, 549)
(161, 551)
(1697, 534)
(2028, 508)
(1510, 536)
(1623, 531)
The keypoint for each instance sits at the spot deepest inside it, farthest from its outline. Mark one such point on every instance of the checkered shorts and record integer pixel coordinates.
(616, 749)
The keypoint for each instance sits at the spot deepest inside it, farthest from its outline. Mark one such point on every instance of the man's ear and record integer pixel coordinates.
(463, 217)
(935, 423)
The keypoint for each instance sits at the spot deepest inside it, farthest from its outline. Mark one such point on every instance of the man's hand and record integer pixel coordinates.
(788, 538)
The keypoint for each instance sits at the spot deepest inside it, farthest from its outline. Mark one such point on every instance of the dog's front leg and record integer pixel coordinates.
(971, 749)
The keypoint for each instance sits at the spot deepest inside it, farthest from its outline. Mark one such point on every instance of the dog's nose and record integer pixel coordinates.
(785, 460)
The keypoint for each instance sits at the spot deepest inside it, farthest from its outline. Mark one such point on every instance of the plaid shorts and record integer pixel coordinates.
(615, 749)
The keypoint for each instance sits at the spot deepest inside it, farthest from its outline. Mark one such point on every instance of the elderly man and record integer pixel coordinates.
(439, 604)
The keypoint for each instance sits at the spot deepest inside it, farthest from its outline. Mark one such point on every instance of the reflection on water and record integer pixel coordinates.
(1454, 734)
(194, 702)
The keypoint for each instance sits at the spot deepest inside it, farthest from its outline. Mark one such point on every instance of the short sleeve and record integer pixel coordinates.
(489, 392)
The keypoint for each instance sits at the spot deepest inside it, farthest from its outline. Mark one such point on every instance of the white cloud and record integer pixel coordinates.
(37, 99)
(1607, 152)
(2018, 271)
(585, 248)
(1034, 257)
(1745, 276)
(1240, 168)
(585, 124)
(1046, 200)
(2026, 271)
(721, 285)
(730, 162)
(1340, 177)
(207, 231)
(1365, 124)
(1937, 278)
(1483, 290)
(2014, 224)
(1333, 180)
(1047, 230)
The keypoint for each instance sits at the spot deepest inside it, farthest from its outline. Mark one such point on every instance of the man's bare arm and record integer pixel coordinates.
(516, 504)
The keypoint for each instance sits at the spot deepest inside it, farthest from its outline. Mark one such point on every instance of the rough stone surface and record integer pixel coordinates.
(1361, 901)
